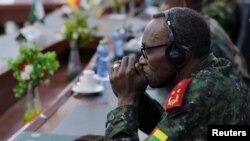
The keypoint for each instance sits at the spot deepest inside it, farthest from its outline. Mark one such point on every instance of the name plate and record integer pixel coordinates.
(29, 34)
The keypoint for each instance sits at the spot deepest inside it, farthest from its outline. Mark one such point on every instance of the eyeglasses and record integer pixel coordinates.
(144, 53)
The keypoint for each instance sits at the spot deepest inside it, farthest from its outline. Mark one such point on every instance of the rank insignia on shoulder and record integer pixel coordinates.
(176, 95)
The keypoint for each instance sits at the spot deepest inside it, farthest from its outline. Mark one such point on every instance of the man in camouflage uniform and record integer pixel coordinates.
(175, 53)
(226, 12)
(222, 46)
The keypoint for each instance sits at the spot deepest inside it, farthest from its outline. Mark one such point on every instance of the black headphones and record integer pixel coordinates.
(174, 51)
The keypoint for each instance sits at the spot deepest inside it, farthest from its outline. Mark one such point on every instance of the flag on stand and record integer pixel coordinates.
(37, 12)
(74, 4)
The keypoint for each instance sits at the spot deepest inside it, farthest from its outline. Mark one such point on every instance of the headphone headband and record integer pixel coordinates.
(169, 26)
(175, 52)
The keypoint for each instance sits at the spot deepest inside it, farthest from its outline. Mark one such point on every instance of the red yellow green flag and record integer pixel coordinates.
(157, 135)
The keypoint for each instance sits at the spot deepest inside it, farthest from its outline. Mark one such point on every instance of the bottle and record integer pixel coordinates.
(118, 43)
(103, 64)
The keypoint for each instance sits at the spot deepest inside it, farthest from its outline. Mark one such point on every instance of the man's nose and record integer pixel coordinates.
(142, 60)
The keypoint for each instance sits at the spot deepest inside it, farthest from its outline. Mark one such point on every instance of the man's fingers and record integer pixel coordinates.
(138, 67)
(131, 64)
(124, 64)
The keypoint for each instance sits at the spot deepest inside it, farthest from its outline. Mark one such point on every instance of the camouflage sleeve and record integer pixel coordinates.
(122, 124)
(150, 112)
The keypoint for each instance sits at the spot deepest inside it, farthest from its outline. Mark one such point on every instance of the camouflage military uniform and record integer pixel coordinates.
(226, 12)
(222, 46)
(214, 96)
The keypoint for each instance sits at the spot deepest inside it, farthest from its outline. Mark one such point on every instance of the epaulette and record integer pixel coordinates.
(175, 97)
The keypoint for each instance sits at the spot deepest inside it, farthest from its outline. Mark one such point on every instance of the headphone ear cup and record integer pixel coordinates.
(176, 54)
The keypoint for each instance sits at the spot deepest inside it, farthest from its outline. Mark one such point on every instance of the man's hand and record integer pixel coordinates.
(128, 81)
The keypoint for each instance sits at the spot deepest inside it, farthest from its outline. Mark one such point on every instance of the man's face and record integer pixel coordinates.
(156, 66)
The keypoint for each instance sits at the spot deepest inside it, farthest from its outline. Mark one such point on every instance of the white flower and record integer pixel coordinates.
(25, 76)
(75, 36)
(28, 69)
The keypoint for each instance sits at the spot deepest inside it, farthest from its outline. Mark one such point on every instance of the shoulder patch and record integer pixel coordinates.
(157, 135)
(176, 95)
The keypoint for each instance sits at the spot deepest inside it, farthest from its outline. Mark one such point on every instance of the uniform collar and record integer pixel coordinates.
(212, 62)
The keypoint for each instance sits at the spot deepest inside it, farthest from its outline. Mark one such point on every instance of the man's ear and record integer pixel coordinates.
(187, 57)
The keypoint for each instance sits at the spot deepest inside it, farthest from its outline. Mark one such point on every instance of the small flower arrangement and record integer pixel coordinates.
(32, 67)
(77, 29)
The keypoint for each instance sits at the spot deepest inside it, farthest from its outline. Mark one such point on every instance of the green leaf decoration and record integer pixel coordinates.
(76, 29)
(31, 66)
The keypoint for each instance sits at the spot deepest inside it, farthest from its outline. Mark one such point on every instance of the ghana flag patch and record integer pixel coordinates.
(157, 135)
